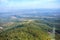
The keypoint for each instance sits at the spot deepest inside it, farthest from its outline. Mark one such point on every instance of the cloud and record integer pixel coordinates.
(19, 4)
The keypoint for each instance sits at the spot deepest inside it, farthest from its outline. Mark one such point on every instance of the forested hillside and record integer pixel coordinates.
(26, 30)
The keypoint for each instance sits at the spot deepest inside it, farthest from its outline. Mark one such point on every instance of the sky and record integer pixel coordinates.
(28, 4)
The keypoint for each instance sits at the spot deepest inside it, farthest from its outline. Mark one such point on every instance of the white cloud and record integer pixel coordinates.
(7, 5)
(51, 0)
(3, 0)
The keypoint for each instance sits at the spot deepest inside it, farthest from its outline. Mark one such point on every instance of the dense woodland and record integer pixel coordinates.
(28, 29)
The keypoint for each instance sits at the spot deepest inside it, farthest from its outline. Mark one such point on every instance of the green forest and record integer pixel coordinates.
(27, 30)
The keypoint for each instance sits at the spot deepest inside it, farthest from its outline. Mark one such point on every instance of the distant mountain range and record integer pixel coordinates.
(31, 12)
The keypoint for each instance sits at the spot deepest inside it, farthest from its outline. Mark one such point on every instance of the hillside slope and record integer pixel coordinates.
(26, 30)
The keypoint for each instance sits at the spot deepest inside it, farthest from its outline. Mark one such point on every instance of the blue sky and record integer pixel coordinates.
(28, 4)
